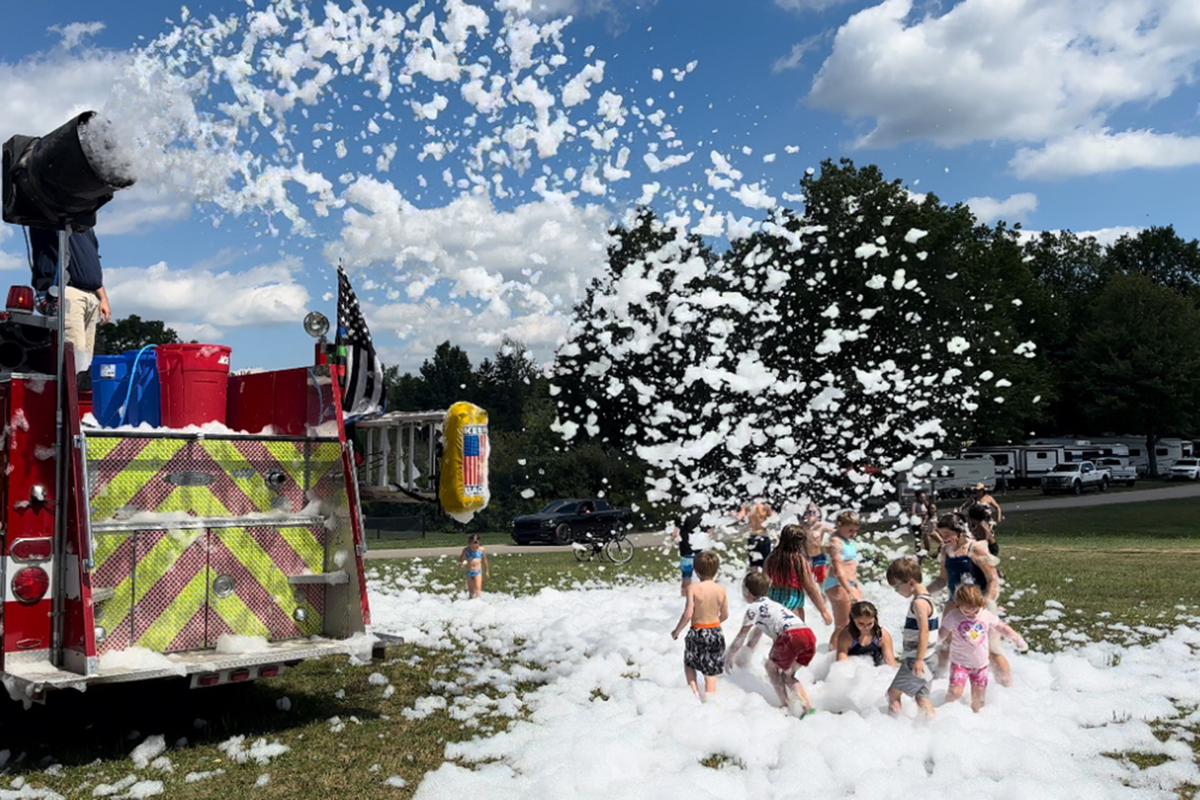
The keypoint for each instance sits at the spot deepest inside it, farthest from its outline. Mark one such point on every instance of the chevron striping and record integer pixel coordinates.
(163, 629)
(306, 546)
(132, 467)
(262, 587)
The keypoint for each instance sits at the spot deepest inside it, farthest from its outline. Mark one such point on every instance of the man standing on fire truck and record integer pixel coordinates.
(86, 300)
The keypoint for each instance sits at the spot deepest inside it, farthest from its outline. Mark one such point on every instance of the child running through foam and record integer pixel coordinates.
(864, 637)
(794, 642)
(474, 560)
(707, 607)
(791, 576)
(915, 676)
(968, 627)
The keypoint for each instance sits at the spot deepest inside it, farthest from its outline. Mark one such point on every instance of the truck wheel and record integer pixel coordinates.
(1077, 488)
(1104, 486)
(562, 534)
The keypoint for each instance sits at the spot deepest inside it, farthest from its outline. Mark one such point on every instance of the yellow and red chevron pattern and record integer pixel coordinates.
(176, 566)
(204, 477)
(181, 589)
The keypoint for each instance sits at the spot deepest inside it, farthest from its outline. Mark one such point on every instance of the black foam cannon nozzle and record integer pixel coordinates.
(62, 178)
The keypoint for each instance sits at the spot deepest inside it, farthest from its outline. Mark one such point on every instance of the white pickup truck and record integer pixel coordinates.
(1119, 470)
(1075, 477)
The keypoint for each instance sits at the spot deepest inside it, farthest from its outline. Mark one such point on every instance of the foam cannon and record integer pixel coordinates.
(62, 178)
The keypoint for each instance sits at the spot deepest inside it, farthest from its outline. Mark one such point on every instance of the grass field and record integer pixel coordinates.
(1121, 573)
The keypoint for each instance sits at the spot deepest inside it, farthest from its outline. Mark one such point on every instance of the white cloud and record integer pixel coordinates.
(1105, 236)
(1014, 209)
(75, 32)
(12, 261)
(199, 299)
(792, 59)
(534, 257)
(808, 5)
(1017, 71)
(1091, 152)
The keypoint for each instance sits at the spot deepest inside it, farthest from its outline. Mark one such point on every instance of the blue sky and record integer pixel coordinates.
(1055, 114)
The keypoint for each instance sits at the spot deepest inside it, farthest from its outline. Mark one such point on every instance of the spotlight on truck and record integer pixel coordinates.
(62, 178)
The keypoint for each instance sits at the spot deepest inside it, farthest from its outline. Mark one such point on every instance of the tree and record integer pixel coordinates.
(505, 384)
(866, 331)
(1161, 255)
(402, 390)
(1141, 350)
(446, 379)
(134, 333)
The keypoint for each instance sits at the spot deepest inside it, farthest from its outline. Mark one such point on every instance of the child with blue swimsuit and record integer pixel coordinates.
(474, 560)
(841, 584)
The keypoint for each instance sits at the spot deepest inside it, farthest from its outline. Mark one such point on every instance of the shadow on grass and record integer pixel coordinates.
(108, 721)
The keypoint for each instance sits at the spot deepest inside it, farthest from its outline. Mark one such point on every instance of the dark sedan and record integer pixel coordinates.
(566, 521)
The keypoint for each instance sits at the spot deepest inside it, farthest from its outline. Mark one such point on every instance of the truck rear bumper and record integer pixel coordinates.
(28, 682)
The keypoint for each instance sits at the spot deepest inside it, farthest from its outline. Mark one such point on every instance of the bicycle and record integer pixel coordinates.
(613, 545)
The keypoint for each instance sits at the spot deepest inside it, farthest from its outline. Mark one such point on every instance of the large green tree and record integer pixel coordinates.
(1140, 360)
(133, 333)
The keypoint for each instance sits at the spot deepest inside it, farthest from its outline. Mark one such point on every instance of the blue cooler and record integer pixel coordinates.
(109, 385)
(142, 388)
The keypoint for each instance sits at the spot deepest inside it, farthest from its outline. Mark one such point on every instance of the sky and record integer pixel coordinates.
(464, 161)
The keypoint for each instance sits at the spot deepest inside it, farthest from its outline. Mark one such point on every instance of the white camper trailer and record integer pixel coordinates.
(951, 477)
(1166, 452)
(1019, 464)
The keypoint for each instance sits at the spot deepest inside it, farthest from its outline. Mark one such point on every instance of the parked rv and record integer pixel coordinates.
(1020, 465)
(951, 477)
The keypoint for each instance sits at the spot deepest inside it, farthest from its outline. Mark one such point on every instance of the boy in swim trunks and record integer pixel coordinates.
(794, 642)
(687, 527)
(707, 607)
(915, 676)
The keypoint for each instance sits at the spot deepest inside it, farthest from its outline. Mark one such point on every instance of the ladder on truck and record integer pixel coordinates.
(401, 451)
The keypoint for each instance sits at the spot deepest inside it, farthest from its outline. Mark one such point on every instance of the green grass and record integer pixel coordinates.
(1114, 569)
(436, 539)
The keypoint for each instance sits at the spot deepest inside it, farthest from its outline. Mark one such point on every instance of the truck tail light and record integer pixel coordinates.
(239, 676)
(29, 585)
(212, 679)
(20, 298)
(268, 672)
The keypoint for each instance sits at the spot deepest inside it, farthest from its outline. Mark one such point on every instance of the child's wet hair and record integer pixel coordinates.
(847, 518)
(473, 539)
(865, 608)
(979, 513)
(706, 565)
(968, 596)
(756, 584)
(953, 522)
(903, 570)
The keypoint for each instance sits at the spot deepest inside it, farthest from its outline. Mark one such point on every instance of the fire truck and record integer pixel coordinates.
(214, 554)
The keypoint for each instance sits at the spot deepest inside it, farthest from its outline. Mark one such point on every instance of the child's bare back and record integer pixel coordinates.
(709, 603)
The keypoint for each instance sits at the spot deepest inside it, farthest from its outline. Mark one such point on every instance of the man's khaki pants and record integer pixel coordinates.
(81, 313)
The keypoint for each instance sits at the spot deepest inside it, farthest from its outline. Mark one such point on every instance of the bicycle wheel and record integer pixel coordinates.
(618, 550)
(583, 551)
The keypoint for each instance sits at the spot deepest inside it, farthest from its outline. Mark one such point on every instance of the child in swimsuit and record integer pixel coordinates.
(791, 576)
(707, 607)
(815, 529)
(915, 676)
(864, 637)
(794, 643)
(474, 560)
(841, 584)
(968, 627)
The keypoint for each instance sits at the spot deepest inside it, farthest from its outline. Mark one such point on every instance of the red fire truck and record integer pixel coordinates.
(219, 558)
(134, 554)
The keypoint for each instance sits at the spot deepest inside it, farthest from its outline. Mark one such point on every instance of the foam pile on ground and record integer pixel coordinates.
(612, 688)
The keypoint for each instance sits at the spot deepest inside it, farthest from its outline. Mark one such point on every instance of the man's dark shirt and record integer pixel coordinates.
(84, 269)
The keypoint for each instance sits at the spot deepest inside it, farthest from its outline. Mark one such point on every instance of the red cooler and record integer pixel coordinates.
(193, 379)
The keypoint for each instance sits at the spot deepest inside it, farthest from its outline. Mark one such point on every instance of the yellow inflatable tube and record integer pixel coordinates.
(463, 488)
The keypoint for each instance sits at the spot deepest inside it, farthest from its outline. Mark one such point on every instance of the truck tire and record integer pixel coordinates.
(1104, 486)
(562, 534)
(1077, 488)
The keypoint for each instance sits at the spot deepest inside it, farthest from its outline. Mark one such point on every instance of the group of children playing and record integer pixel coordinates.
(775, 598)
